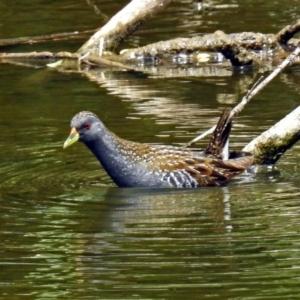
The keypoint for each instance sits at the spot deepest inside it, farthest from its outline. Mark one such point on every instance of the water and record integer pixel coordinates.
(111, 243)
(68, 232)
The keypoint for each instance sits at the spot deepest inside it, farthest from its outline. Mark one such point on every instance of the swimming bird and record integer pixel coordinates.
(133, 164)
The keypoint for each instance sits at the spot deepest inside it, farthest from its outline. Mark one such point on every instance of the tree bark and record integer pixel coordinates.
(121, 25)
(274, 142)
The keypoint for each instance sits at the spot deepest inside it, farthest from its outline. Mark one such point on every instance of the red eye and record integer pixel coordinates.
(87, 125)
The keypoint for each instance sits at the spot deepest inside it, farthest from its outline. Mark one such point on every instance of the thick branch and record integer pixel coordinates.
(273, 143)
(233, 47)
(122, 24)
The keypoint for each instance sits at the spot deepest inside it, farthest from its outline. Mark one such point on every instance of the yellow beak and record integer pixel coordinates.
(73, 138)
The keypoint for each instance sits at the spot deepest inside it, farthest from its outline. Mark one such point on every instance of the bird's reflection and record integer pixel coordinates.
(125, 210)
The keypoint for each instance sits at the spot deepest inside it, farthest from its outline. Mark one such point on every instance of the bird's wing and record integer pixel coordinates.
(205, 171)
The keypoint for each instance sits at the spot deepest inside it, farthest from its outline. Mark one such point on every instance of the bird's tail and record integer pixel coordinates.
(218, 146)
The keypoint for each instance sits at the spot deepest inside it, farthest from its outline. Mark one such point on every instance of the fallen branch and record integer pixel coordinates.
(284, 35)
(96, 60)
(45, 38)
(121, 25)
(39, 55)
(274, 142)
(233, 47)
(270, 145)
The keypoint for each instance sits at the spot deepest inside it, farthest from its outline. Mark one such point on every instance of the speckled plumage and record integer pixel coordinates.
(132, 164)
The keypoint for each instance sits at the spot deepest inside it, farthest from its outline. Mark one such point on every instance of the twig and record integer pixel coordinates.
(44, 38)
(38, 55)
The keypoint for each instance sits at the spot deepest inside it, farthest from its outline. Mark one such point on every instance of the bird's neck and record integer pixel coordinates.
(105, 146)
(114, 154)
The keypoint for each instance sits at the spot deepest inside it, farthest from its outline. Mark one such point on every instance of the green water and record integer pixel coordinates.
(68, 233)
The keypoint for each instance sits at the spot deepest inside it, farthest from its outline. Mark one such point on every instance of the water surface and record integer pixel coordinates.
(68, 232)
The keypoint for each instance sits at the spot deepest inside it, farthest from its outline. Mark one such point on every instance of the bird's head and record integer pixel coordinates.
(85, 127)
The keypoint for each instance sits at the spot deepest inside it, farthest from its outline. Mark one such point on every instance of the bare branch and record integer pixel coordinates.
(278, 142)
(45, 38)
(122, 24)
(274, 142)
(38, 55)
(233, 47)
(284, 35)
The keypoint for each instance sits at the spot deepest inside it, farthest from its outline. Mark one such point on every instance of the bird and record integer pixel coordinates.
(145, 165)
